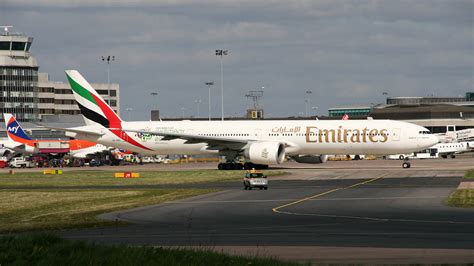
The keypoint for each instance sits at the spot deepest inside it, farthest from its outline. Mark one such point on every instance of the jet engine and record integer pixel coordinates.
(265, 152)
(310, 159)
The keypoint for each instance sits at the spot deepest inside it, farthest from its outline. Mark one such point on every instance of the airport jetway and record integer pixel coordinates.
(453, 135)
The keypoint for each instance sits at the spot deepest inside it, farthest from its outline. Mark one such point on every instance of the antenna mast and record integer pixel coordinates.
(255, 96)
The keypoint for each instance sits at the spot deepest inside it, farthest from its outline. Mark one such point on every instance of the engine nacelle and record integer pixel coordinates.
(265, 152)
(310, 159)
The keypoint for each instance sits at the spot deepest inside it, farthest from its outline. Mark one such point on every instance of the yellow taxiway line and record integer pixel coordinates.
(277, 209)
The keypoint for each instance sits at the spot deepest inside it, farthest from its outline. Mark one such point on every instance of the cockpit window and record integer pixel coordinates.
(424, 132)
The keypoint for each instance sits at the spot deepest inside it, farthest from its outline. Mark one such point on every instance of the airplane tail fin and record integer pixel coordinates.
(93, 107)
(14, 131)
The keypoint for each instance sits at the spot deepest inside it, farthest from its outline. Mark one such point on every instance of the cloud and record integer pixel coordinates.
(345, 51)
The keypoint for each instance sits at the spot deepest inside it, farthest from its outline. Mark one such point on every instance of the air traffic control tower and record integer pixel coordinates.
(18, 76)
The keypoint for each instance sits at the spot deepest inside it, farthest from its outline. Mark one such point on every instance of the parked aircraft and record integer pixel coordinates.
(20, 142)
(258, 142)
(451, 149)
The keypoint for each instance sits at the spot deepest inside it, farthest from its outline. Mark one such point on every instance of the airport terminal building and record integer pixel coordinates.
(434, 113)
(30, 95)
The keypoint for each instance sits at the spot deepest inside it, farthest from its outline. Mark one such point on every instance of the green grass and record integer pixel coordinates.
(64, 204)
(52, 250)
(106, 178)
(62, 209)
(469, 174)
(461, 198)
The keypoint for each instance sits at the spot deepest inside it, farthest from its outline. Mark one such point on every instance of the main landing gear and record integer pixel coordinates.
(241, 166)
(406, 163)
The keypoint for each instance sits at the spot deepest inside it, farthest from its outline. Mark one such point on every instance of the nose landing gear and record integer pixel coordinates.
(406, 163)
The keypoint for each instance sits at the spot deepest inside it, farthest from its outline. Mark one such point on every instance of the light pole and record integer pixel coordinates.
(108, 59)
(198, 102)
(221, 53)
(182, 112)
(154, 94)
(209, 84)
(308, 101)
(315, 108)
(385, 94)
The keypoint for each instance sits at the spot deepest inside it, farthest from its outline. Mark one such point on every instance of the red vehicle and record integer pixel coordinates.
(3, 162)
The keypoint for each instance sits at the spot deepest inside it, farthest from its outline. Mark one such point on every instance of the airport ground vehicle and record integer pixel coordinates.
(255, 179)
(3, 162)
(21, 162)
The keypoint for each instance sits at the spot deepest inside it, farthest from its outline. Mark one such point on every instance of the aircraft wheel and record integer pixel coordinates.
(220, 166)
(236, 166)
(248, 166)
(401, 157)
(453, 156)
(406, 165)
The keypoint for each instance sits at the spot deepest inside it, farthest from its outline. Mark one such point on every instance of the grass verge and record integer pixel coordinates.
(52, 250)
(63, 209)
(33, 201)
(106, 178)
(463, 198)
(469, 174)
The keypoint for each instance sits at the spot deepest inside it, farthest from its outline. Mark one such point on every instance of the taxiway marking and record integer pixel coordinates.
(276, 209)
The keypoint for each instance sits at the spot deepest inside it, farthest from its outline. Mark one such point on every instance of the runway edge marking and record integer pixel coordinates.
(276, 209)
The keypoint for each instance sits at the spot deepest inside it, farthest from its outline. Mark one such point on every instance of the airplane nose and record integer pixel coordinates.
(434, 140)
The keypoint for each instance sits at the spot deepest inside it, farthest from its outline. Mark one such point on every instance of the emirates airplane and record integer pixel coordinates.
(260, 143)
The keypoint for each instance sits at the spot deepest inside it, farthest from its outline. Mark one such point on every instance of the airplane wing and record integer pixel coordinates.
(14, 146)
(214, 142)
(74, 130)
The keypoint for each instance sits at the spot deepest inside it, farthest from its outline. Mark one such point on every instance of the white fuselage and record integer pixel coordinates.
(299, 136)
(453, 147)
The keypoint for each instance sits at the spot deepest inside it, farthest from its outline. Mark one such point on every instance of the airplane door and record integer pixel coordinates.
(396, 134)
(258, 133)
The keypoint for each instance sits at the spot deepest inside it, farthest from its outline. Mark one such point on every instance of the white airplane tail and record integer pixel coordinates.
(93, 107)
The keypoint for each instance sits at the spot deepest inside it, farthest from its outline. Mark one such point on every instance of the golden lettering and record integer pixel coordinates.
(346, 132)
(355, 136)
(326, 132)
(308, 134)
(384, 135)
(373, 133)
(364, 135)
(339, 133)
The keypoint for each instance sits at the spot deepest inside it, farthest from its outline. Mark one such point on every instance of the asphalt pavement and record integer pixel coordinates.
(394, 212)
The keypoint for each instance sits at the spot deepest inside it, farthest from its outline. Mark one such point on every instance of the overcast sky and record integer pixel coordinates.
(345, 52)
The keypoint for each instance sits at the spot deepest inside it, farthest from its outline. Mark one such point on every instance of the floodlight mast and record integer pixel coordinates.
(108, 59)
(221, 53)
(209, 84)
(255, 96)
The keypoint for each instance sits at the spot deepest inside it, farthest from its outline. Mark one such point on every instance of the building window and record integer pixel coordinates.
(18, 46)
(103, 92)
(113, 93)
(4, 45)
(113, 103)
